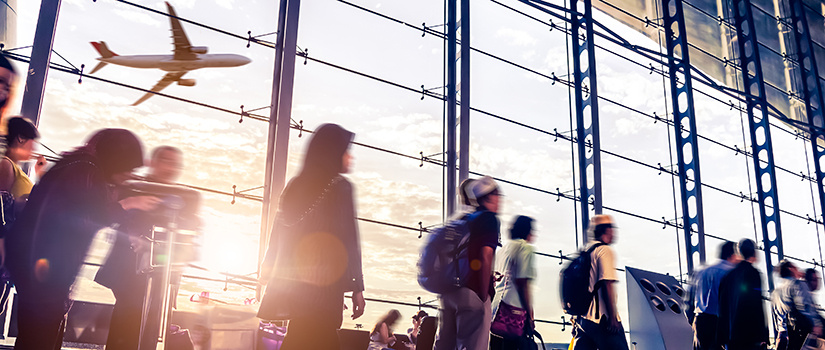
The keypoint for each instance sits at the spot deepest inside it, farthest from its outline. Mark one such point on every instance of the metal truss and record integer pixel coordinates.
(687, 148)
(452, 103)
(760, 135)
(280, 112)
(811, 92)
(587, 110)
(464, 94)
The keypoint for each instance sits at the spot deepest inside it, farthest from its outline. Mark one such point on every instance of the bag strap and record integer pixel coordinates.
(597, 285)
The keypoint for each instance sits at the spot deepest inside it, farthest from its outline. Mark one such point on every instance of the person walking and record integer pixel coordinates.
(812, 279)
(314, 253)
(48, 243)
(794, 313)
(706, 304)
(742, 324)
(601, 328)
(466, 312)
(517, 270)
(119, 273)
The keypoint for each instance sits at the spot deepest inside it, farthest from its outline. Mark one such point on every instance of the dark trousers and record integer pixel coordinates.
(796, 339)
(125, 325)
(41, 319)
(499, 343)
(589, 335)
(316, 327)
(704, 332)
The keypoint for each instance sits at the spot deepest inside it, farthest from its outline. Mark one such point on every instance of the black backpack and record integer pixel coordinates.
(575, 283)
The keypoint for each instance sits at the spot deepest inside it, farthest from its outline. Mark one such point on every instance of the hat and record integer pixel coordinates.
(601, 219)
(480, 188)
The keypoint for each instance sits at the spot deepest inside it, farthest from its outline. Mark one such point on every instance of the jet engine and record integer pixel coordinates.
(199, 49)
(186, 82)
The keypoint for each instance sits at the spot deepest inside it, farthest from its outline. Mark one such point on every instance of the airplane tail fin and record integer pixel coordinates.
(103, 49)
(98, 67)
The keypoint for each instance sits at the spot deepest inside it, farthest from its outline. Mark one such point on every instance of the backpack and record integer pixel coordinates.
(575, 283)
(444, 265)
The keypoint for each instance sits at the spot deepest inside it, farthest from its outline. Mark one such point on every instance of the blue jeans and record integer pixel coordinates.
(589, 335)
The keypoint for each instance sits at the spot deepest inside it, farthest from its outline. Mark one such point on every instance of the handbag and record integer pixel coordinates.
(528, 341)
(509, 321)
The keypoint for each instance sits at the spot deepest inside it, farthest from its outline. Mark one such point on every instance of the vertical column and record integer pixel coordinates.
(279, 117)
(41, 56)
(759, 127)
(464, 87)
(811, 93)
(684, 122)
(452, 103)
(587, 111)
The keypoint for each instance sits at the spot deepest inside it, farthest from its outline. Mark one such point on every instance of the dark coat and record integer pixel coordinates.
(314, 254)
(49, 241)
(742, 322)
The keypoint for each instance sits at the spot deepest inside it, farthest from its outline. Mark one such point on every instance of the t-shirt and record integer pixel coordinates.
(22, 185)
(602, 268)
(515, 261)
(484, 232)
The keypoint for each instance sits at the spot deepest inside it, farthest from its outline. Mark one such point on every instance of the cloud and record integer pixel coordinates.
(227, 4)
(516, 37)
(139, 17)
(556, 60)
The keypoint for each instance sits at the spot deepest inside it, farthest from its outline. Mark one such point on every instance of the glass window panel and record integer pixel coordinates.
(819, 55)
(703, 31)
(764, 5)
(767, 32)
(817, 25)
(773, 67)
(709, 65)
(778, 99)
(708, 6)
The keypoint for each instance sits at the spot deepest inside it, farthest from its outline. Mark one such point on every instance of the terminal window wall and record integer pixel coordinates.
(393, 185)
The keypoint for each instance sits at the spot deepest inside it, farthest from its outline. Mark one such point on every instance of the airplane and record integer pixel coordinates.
(185, 58)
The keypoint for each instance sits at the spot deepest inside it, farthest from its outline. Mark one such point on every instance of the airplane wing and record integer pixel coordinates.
(182, 46)
(167, 79)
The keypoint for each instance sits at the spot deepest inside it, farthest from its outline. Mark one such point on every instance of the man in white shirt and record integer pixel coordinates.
(601, 328)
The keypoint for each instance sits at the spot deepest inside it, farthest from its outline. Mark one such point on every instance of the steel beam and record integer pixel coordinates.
(812, 93)
(684, 122)
(587, 111)
(760, 134)
(280, 112)
(452, 103)
(40, 58)
(464, 93)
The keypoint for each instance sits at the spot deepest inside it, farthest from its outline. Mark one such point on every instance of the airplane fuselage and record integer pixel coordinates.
(170, 64)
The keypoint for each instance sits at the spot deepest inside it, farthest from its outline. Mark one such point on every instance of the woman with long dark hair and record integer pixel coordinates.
(50, 239)
(314, 253)
(381, 336)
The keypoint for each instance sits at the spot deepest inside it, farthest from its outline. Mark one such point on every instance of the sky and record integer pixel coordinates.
(220, 152)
